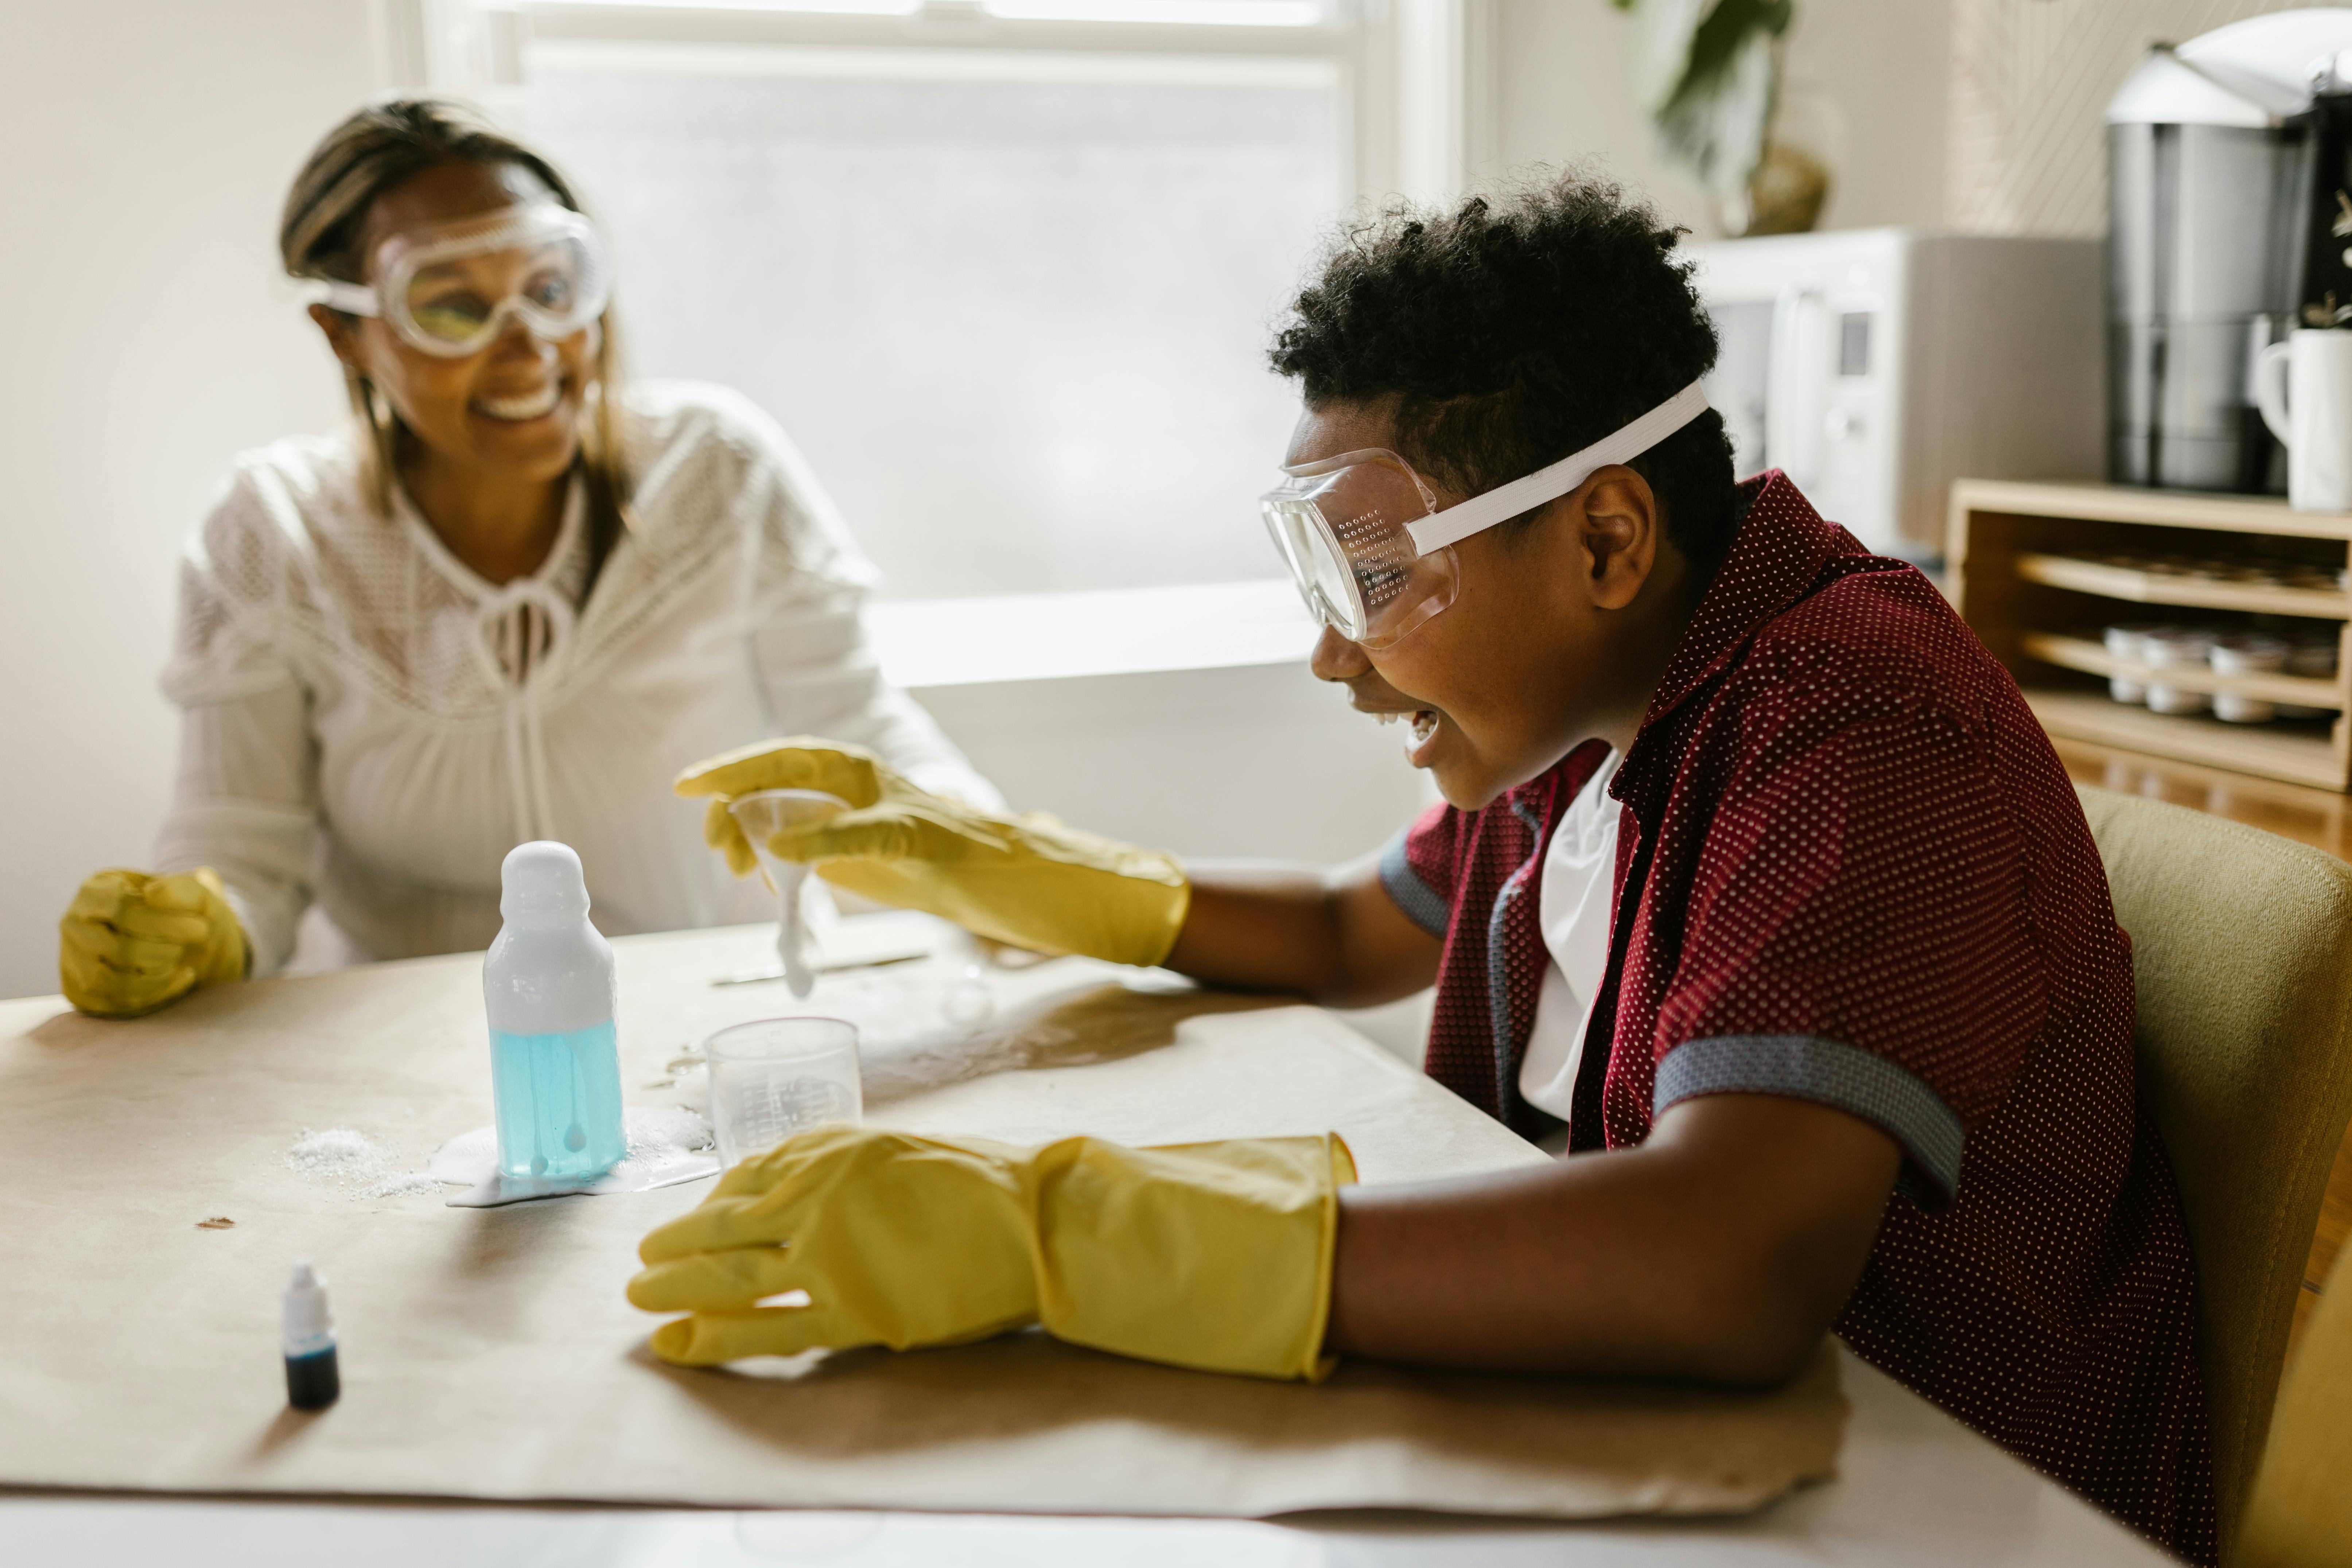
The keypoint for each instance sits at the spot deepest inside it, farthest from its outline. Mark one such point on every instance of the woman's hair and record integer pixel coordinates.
(1516, 330)
(325, 222)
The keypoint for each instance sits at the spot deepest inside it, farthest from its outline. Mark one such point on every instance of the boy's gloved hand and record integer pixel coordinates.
(131, 943)
(1029, 881)
(1214, 1256)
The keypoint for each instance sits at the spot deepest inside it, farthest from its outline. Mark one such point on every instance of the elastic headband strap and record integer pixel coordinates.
(1439, 530)
(351, 299)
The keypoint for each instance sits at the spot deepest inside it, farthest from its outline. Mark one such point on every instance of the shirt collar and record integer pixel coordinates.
(1775, 557)
(564, 572)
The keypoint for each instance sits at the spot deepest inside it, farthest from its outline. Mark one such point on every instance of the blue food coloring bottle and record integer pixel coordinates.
(555, 1070)
(313, 1381)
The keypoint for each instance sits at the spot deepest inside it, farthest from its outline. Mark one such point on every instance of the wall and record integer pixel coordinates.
(145, 342)
(2031, 84)
(1258, 762)
(147, 338)
(1871, 73)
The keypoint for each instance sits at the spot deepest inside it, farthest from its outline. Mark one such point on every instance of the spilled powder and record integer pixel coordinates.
(403, 1186)
(346, 1158)
(338, 1154)
(667, 1145)
(656, 1133)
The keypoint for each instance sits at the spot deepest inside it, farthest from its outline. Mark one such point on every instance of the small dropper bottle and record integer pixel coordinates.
(312, 1380)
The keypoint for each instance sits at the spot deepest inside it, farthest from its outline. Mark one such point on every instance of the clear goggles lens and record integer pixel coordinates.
(1341, 527)
(1372, 555)
(450, 289)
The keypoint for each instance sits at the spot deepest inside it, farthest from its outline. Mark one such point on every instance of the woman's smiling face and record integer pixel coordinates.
(512, 409)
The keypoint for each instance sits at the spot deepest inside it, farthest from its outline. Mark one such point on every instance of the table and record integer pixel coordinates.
(1915, 1487)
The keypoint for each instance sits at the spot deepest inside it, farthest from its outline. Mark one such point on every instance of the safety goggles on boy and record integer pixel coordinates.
(1371, 554)
(449, 289)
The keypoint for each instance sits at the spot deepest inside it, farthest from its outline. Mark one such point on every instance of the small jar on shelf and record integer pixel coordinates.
(2128, 641)
(2248, 653)
(2178, 648)
(2312, 655)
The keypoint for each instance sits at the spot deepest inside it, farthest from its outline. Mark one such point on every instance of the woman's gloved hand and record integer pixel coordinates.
(1213, 1256)
(1026, 880)
(131, 943)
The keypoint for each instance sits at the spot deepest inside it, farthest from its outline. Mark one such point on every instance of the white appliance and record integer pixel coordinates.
(1876, 366)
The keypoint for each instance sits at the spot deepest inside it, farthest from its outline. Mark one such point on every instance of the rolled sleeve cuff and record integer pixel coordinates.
(1423, 905)
(1829, 1072)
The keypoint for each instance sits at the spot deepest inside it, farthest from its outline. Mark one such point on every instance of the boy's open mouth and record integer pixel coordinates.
(1424, 725)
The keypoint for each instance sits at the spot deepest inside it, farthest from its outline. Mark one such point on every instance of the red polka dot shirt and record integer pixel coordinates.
(1851, 869)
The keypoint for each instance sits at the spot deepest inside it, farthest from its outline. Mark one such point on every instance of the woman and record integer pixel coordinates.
(507, 604)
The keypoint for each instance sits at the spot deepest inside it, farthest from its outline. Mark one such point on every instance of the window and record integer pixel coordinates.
(1006, 269)
(1013, 309)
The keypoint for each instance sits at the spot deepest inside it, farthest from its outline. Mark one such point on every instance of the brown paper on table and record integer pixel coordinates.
(488, 1353)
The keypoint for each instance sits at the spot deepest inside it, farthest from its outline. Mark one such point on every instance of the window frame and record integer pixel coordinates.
(1415, 74)
(1414, 77)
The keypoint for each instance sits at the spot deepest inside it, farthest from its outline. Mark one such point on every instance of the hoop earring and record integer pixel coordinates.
(375, 412)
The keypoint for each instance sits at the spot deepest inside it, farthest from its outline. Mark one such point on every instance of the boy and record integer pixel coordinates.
(1757, 888)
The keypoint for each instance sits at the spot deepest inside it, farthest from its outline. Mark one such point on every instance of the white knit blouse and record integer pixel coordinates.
(359, 725)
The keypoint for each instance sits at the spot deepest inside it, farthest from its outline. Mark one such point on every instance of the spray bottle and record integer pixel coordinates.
(555, 1071)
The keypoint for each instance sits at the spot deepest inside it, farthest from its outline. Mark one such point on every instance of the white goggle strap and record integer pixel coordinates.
(1439, 530)
(351, 299)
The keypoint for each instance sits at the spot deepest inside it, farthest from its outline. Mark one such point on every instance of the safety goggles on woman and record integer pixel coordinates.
(449, 289)
(1371, 554)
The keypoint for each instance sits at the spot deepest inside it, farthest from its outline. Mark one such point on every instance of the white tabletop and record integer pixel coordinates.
(1914, 1486)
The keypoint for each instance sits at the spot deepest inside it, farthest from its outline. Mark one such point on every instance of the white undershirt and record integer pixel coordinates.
(1573, 898)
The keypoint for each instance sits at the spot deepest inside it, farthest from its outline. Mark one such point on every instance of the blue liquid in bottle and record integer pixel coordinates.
(558, 1101)
(547, 983)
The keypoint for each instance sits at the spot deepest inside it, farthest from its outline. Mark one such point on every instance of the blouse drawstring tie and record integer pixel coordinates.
(516, 648)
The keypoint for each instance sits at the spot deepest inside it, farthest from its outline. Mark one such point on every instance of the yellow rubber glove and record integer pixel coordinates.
(1214, 1256)
(131, 943)
(1026, 880)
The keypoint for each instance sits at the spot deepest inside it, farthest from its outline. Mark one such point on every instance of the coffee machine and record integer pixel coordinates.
(2229, 223)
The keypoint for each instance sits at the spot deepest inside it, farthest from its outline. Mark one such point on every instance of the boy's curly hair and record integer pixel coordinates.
(1516, 331)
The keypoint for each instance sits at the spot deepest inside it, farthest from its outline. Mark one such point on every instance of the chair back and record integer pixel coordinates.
(2239, 948)
(2299, 1513)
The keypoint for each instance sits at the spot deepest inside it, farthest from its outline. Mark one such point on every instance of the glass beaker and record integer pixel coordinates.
(774, 1076)
(762, 814)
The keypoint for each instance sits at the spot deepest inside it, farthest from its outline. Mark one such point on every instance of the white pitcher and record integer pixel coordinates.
(2305, 388)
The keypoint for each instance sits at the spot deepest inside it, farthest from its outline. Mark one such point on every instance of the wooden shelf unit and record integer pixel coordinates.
(2093, 659)
(2172, 588)
(2021, 576)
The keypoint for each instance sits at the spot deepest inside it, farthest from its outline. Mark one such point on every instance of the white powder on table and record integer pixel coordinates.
(402, 1186)
(347, 1158)
(664, 1145)
(667, 1145)
(340, 1154)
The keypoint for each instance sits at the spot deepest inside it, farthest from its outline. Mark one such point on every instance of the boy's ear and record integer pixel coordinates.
(1618, 528)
